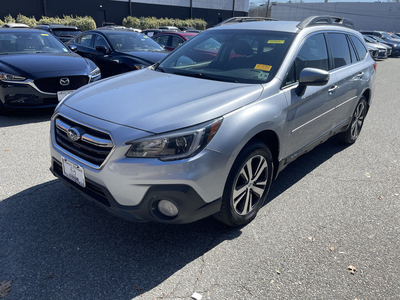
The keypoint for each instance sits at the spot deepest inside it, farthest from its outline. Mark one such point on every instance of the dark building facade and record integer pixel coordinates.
(114, 11)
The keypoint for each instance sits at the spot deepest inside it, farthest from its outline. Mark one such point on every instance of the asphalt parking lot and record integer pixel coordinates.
(332, 208)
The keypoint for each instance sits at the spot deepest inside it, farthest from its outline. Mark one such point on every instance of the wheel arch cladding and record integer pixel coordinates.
(271, 140)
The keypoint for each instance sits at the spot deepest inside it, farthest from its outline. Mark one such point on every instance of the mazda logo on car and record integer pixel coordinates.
(73, 134)
(64, 81)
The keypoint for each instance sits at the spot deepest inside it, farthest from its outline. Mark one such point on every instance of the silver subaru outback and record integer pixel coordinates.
(206, 130)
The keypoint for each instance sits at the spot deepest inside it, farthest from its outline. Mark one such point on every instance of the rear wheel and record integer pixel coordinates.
(247, 185)
(351, 134)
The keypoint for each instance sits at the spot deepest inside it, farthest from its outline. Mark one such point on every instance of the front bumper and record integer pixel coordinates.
(26, 95)
(19, 95)
(395, 51)
(132, 187)
(191, 206)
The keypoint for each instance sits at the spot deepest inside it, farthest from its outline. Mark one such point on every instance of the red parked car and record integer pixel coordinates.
(172, 40)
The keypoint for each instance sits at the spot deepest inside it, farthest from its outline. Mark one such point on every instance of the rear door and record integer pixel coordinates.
(350, 72)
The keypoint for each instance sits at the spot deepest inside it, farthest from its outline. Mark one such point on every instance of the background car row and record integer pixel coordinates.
(37, 70)
(35, 67)
(39, 67)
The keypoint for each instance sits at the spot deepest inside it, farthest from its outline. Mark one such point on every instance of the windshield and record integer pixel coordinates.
(66, 32)
(395, 36)
(244, 56)
(30, 42)
(369, 40)
(131, 41)
(386, 35)
(378, 39)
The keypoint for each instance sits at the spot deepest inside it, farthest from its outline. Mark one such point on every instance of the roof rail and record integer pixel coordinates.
(244, 19)
(325, 20)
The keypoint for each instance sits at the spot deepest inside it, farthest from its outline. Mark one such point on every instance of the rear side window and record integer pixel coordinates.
(340, 49)
(84, 40)
(362, 52)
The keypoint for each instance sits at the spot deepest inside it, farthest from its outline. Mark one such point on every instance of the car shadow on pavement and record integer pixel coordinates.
(15, 118)
(304, 165)
(57, 245)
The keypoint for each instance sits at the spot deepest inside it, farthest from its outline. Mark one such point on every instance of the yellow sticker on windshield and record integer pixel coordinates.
(276, 41)
(263, 67)
(44, 34)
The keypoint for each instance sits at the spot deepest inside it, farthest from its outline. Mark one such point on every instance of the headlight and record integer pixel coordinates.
(95, 72)
(11, 77)
(176, 145)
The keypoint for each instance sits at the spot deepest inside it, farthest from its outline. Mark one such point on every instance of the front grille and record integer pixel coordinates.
(53, 85)
(92, 146)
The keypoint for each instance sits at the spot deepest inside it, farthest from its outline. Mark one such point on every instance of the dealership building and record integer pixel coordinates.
(212, 11)
(383, 16)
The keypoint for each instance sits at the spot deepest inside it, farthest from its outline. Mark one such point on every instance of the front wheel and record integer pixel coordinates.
(247, 185)
(351, 134)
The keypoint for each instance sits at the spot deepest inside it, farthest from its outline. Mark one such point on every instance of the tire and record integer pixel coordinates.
(351, 134)
(244, 195)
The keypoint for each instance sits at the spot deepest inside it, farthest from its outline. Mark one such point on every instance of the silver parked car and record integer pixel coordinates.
(206, 130)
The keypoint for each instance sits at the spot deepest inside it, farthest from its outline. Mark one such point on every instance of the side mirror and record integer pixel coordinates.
(102, 49)
(73, 48)
(312, 77)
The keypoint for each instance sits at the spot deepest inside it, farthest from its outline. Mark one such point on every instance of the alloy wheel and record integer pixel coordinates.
(250, 185)
(358, 120)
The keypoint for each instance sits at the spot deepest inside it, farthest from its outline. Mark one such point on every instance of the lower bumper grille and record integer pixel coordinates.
(92, 190)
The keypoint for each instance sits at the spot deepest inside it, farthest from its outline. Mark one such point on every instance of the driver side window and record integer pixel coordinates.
(313, 54)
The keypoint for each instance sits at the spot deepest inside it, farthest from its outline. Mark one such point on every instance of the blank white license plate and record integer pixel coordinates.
(73, 171)
(62, 94)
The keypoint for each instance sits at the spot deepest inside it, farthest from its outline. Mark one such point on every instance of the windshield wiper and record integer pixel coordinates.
(156, 67)
(206, 76)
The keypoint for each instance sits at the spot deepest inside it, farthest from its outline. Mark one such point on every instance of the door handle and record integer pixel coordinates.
(332, 89)
(360, 75)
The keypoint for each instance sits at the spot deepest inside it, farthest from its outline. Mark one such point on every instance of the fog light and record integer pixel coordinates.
(167, 208)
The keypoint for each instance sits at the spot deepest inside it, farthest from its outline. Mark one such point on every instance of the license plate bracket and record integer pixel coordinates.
(73, 172)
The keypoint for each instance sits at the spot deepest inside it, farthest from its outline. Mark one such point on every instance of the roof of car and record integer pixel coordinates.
(289, 26)
(286, 26)
(178, 33)
(56, 26)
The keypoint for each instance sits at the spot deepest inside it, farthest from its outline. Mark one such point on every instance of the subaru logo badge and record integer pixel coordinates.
(73, 134)
(64, 81)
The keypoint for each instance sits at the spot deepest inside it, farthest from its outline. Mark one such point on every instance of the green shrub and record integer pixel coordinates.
(1, 23)
(149, 22)
(9, 19)
(48, 20)
(31, 22)
(131, 22)
(152, 22)
(83, 23)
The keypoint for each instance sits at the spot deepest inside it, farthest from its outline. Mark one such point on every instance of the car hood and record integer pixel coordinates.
(159, 102)
(375, 45)
(36, 65)
(150, 56)
(394, 41)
